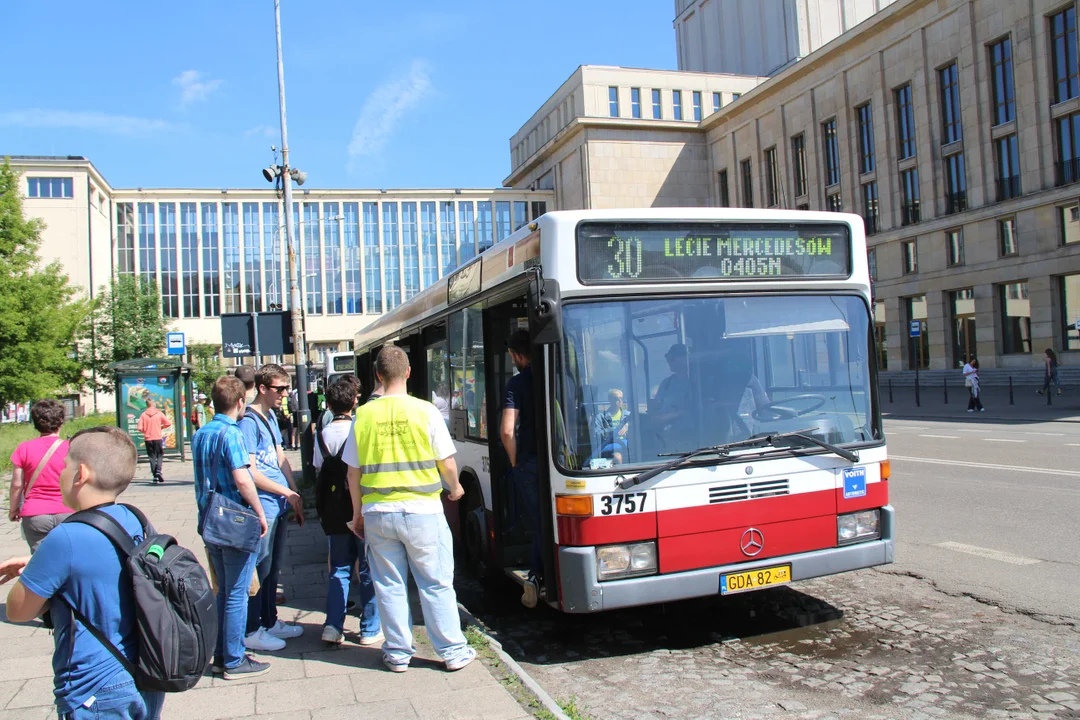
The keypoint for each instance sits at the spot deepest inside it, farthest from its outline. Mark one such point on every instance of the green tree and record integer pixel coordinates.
(206, 366)
(40, 312)
(127, 323)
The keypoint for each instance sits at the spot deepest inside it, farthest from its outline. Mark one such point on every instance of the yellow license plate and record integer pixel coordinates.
(755, 579)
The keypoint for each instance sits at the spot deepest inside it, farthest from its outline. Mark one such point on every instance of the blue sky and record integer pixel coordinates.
(380, 94)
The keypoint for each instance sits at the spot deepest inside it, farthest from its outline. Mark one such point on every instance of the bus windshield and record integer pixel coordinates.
(645, 377)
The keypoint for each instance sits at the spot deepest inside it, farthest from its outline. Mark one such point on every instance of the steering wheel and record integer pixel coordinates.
(779, 411)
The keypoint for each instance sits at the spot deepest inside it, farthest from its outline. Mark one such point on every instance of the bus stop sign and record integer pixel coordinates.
(916, 328)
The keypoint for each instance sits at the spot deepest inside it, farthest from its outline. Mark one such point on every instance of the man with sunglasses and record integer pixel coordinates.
(277, 492)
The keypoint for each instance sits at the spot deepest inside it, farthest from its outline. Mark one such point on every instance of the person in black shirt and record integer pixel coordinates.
(518, 433)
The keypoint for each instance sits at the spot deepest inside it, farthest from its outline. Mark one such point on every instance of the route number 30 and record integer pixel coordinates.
(627, 258)
(622, 504)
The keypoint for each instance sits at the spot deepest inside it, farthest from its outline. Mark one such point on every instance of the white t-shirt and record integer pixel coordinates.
(441, 444)
(334, 435)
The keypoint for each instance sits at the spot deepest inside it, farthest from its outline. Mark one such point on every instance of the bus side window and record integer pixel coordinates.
(468, 390)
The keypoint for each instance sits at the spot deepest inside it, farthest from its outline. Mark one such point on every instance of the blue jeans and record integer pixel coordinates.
(526, 478)
(396, 543)
(233, 569)
(122, 701)
(346, 551)
(262, 607)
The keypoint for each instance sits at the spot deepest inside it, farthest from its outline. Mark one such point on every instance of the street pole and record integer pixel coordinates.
(299, 339)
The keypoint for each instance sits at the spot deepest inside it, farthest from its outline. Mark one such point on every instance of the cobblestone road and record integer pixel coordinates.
(870, 644)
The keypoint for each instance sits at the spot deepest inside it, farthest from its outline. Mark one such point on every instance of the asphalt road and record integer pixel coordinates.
(990, 510)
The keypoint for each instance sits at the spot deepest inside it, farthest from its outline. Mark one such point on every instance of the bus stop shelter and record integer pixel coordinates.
(167, 382)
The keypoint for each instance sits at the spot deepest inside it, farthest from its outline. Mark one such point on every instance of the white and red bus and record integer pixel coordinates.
(707, 415)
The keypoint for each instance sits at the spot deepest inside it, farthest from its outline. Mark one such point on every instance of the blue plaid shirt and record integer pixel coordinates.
(218, 449)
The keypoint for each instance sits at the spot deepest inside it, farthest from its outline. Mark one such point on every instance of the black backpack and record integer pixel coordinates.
(333, 501)
(175, 608)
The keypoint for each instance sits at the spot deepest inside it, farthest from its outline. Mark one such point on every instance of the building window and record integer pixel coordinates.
(905, 122)
(1001, 82)
(354, 288)
(170, 298)
(697, 105)
(676, 103)
(657, 107)
(1007, 237)
(909, 189)
(635, 102)
(716, 102)
(834, 203)
(910, 253)
(189, 256)
(1015, 318)
(866, 138)
(879, 335)
(391, 261)
(1070, 311)
(313, 259)
(429, 240)
(918, 347)
(466, 232)
(772, 177)
(1063, 54)
(963, 322)
(832, 152)
(735, 96)
(372, 261)
(410, 250)
(955, 184)
(539, 207)
(1008, 167)
(1067, 169)
(43, 187)
(502, 221)
(332, 257)
(521, 210)
(1069, 218)
(147, 244)
(954, 246)
(252, 257)
(725, 197)
(747, 184)
(870, 207)
(951, 128)
(798, 164)
(210, 265)
(871, 262)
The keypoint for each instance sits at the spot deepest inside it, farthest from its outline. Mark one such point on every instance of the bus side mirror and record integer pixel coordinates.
(545, 312)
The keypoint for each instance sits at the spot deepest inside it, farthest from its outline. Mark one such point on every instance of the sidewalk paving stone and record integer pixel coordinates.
(308, 680)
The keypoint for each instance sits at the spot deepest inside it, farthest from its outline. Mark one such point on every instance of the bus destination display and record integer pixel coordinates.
(674, 252)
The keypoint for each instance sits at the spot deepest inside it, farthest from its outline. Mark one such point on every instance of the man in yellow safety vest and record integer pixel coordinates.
(400, 454)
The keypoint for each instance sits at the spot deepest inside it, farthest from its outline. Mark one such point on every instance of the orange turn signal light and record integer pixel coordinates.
(578, 505)
(886, 468)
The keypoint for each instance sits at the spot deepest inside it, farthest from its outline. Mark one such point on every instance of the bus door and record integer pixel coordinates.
(513, 526)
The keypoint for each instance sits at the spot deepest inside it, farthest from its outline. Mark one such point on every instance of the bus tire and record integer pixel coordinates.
(474, 533)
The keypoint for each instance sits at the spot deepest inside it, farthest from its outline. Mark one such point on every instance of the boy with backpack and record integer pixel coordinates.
(334, 504)
(78, 573)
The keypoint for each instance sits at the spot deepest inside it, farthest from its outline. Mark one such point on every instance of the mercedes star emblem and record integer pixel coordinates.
(752, 542)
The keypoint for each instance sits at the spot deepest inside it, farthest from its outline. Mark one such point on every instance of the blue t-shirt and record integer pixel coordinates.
(263, 443)
(217, 449)
(519, 396)
(81, 565)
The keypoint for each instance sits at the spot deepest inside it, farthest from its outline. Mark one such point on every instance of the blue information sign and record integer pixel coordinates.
(174, 341)
(916, 328)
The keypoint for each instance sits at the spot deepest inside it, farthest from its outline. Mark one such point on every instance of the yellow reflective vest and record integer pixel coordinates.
(397, 462)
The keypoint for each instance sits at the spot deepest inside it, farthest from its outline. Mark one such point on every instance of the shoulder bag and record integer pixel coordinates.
(37, 471)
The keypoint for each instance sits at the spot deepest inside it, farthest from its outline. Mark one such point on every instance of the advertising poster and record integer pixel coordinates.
(134, 392)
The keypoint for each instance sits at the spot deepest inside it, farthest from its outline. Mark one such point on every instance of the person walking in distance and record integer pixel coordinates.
(1050, 365)
(397, 452)
(518, 433)
(974, 402)
(273, 477)
(151, 424)
(222, 466)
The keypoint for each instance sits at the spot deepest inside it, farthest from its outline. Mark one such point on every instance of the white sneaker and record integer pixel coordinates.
(368, 641)
(285, 631)
(531, 594)
(264, 641)
(467, 657)
(330, 634)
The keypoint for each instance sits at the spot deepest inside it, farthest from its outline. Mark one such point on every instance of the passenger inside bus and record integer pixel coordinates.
(611, 427)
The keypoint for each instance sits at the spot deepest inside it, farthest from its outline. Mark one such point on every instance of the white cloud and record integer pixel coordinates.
(85, 120)
(193, 87)
(264, 132)
(384, 108)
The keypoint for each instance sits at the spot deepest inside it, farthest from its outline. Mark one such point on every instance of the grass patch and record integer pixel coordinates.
(11, 434)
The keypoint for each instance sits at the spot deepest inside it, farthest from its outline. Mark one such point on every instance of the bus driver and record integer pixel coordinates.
(672, 403)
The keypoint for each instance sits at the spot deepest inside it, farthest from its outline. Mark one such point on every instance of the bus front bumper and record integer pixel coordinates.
(583, 593)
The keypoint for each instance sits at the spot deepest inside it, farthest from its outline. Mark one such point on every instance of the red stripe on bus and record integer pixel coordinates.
(723, 547)
(604, 530)
(877, 495)
(744, 513)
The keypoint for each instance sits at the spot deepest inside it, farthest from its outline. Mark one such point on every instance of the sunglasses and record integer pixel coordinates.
(279, 388)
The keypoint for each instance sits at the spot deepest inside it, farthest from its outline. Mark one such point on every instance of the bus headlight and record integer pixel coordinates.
(623, 561)
(858, 526)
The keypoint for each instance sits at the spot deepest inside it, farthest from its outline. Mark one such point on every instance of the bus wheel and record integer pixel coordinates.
(477, 552)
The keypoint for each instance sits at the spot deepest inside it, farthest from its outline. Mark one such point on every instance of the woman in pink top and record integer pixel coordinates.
(42, 508)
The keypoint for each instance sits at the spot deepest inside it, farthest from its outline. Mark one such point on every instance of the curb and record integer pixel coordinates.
(527, 680)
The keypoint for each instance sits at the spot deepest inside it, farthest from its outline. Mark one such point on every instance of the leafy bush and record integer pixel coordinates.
(11, 434)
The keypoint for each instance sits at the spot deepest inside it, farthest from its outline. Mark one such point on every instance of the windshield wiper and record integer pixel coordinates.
(724, 453)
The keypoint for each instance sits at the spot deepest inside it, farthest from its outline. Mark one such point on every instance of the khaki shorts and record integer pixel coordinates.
(36, 527)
